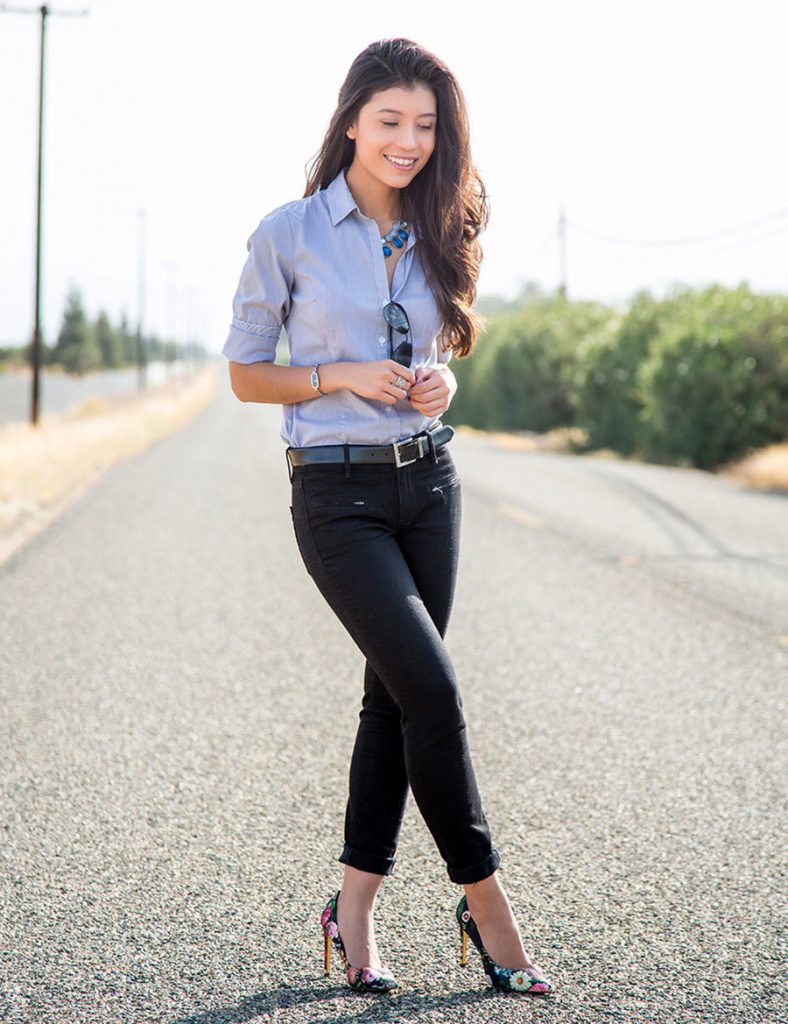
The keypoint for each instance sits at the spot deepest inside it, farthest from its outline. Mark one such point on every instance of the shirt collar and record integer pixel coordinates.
(340, 198)
(341, 203)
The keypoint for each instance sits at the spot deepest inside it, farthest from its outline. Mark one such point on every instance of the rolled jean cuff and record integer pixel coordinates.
(366, 861)
(475, 873)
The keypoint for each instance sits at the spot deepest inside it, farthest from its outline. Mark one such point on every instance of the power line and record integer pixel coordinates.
(775, 229)
(46, 11)
(764, 227)
(710, 236)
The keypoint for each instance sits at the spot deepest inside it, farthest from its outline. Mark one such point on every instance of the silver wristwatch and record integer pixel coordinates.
(316, 380)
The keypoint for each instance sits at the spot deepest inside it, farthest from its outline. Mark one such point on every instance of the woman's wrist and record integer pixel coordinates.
(333, 377)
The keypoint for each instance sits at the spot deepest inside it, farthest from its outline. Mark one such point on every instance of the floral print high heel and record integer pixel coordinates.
(362, 979)
(507, 979)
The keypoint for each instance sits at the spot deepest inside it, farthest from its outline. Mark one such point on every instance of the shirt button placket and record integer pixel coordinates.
(383, 293)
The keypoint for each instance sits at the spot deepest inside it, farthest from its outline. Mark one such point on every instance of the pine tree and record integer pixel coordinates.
(109, 342)
(77, 350)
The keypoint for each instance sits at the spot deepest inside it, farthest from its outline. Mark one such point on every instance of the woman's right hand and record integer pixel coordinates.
(375, 379)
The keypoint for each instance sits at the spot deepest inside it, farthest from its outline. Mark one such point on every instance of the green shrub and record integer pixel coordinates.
(522, 373)
(715, 383)
(608, 401)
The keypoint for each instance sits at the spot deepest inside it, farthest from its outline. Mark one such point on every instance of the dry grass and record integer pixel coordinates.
(564, 439)
(766, 469)
(43, 469)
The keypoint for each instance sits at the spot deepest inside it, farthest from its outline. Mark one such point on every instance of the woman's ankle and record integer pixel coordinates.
(486, 890)
(488, 899)
(359, 889)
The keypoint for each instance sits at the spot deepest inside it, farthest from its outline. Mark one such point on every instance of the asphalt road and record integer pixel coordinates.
(178, 707)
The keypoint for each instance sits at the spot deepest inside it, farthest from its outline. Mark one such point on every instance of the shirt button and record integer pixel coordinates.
(381, 339)
(389, 408)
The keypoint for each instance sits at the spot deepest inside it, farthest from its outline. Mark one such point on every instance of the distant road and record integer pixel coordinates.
(59, 391)
(178, 708)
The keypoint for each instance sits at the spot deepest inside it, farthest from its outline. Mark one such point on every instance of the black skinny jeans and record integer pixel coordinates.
(382, 546)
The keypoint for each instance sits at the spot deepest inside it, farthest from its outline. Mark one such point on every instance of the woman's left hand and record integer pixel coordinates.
(434, 389)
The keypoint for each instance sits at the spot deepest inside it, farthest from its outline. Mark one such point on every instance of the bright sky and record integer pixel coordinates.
(649, 122)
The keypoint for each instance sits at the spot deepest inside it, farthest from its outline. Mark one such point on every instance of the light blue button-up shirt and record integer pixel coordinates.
(316, 267)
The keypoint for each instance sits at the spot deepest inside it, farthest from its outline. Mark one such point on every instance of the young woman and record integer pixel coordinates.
(373, 272)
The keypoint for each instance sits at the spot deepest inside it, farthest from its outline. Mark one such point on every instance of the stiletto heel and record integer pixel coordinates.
(507, 979)
(362, 979)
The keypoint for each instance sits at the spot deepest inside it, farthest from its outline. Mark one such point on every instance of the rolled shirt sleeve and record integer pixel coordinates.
(262, 300)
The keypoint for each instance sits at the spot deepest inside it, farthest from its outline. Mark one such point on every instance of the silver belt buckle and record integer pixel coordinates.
(408, 441)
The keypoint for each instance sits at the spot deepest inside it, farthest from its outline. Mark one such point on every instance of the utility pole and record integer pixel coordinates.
(191, 364)
(562, 251)
(141, 359)
(45, 12)
(172, 268)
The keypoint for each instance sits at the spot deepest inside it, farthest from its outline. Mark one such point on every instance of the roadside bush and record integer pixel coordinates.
(715, 383)
(522, 373)
(609, 402)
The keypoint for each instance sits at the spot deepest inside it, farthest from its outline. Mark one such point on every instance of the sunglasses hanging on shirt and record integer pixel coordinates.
(397, 320)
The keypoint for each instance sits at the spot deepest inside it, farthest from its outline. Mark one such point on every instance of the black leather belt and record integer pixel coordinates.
(401, 453)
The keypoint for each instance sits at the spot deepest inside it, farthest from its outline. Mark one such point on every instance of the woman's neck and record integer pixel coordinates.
(375, 199)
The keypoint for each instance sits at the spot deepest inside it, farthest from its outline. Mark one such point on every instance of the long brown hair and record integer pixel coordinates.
(446, 201)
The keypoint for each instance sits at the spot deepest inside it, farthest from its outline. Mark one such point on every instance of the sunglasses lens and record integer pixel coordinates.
(396, 316)
(404, 353)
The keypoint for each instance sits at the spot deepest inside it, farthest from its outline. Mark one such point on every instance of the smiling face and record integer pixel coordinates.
(395, 133)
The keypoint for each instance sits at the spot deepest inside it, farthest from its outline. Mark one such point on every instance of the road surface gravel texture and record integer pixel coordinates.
(179, 707)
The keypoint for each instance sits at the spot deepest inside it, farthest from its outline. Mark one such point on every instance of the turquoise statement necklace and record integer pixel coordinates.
(397, 236)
